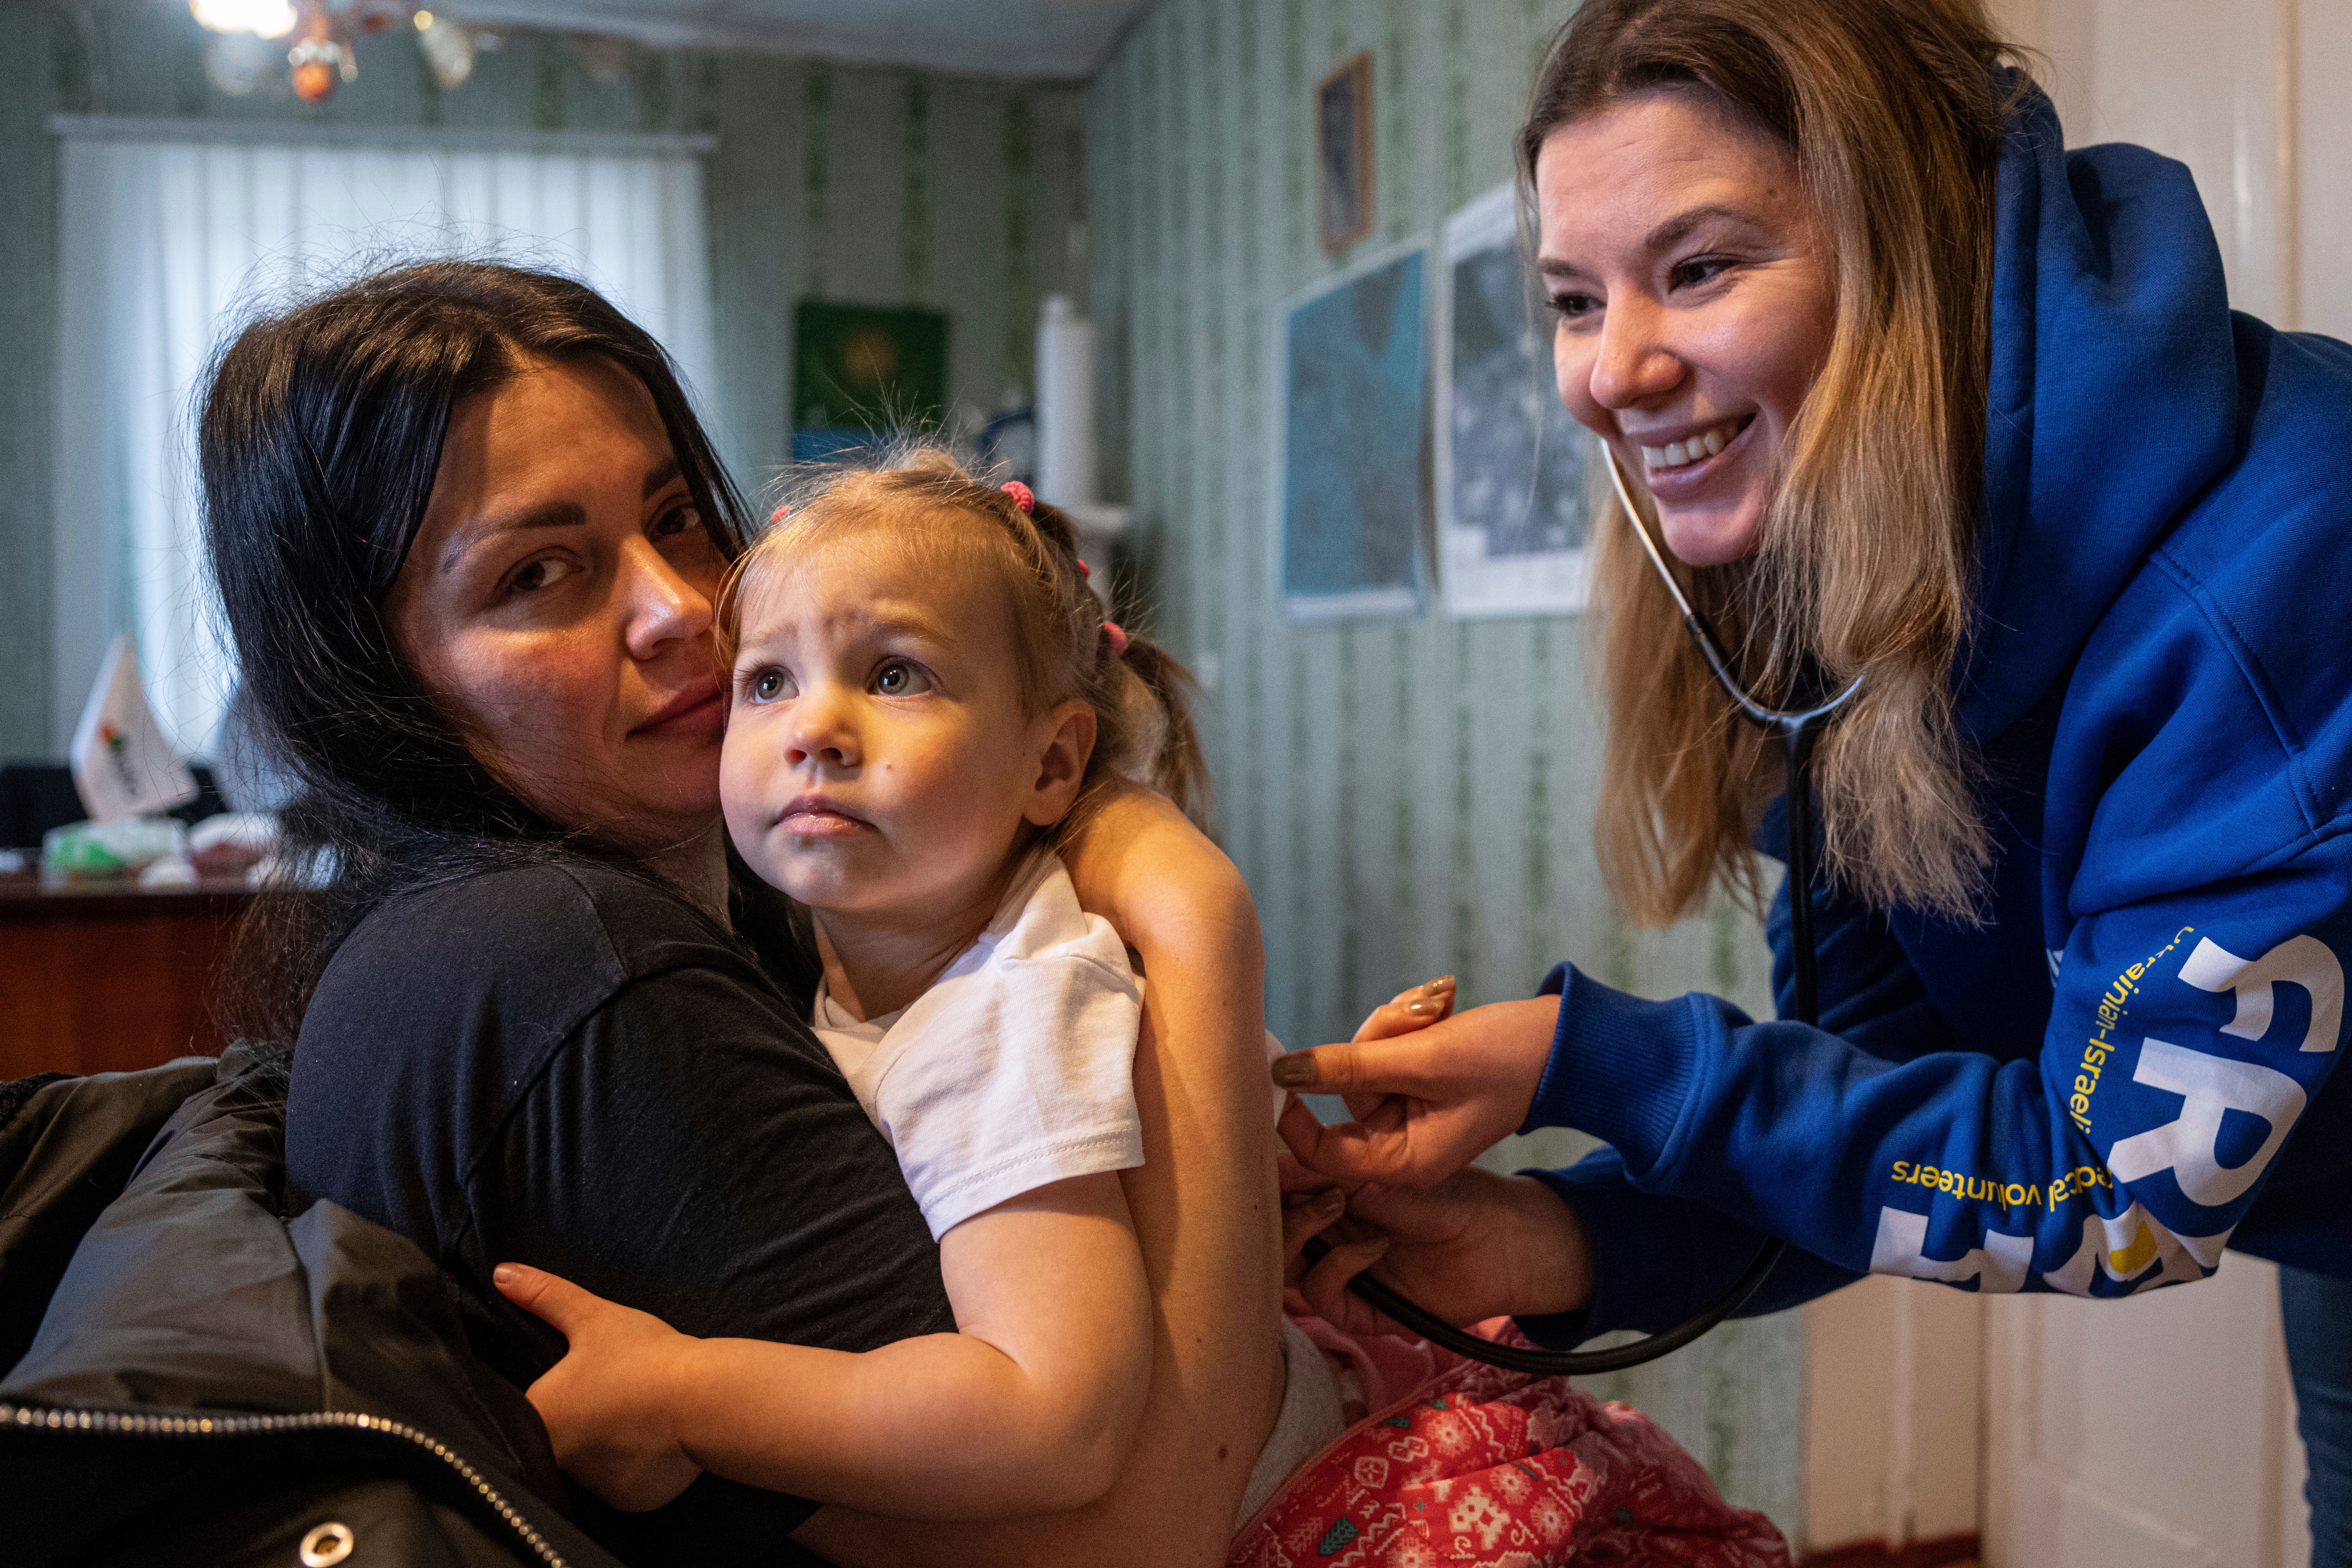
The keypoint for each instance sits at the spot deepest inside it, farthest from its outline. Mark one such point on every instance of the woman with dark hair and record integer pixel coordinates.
(1903, 393)
(466, 530)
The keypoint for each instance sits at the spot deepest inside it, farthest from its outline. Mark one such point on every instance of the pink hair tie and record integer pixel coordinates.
(781, 513)
(1023, 496)
(1085, 570)
(1118, 635)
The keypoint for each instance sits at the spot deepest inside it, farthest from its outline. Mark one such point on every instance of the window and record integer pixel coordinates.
(175, 231)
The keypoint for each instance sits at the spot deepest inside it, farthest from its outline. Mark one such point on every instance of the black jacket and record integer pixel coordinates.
(196, 1376)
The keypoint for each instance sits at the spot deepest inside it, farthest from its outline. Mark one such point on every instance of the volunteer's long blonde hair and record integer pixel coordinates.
(1893, 110)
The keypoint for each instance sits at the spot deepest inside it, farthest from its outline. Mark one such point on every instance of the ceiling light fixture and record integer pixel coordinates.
(263, 19)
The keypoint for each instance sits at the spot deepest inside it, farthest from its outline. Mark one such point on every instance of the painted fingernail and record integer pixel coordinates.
(1332, 1202)
(1423, 1009)
(1442, 983)
(1296, 1070)
(506, 1274)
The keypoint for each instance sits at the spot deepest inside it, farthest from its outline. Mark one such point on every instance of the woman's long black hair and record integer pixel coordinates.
(318, 441)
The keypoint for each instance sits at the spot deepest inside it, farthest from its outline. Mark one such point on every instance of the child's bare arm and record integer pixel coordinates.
(1029, 1407)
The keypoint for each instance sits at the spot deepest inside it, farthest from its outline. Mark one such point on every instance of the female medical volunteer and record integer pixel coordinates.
(1916, 395)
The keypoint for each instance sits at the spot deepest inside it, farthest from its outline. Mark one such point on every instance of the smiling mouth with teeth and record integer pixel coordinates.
(1706, 444)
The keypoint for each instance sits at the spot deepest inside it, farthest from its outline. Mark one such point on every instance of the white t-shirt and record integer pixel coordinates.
(1016, 1068)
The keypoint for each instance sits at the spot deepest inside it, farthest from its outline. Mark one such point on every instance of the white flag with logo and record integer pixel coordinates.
(122, 763)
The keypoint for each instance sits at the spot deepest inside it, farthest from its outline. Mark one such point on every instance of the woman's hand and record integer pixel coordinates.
(1465, 1243)
(1425, 1106)
(1311, 1202)
(605, 1404)
(1477, 1245)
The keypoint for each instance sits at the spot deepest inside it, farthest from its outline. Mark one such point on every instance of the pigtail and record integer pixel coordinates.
(1180, 769)
(1141, 694)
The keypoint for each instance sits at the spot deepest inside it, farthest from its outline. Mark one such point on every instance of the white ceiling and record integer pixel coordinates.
(993, 37)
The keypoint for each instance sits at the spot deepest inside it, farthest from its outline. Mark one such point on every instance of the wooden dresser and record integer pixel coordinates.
(109, 979)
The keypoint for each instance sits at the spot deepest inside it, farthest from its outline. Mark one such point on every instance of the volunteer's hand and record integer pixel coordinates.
(603, 1403)
(1426, 1105)
(1311, 1202)
(1477, 1245)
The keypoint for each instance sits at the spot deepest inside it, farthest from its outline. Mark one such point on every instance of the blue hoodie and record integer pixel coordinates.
(2130, 1066)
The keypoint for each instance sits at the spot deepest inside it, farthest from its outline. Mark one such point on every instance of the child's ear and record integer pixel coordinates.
(1062, 767)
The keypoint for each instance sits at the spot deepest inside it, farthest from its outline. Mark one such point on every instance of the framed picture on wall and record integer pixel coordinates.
(863, 371)
(1343, 155)
(1352, 450)
(1513, 468)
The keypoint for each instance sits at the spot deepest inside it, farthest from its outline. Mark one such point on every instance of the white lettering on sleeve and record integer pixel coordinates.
(2304, 960)
(1902, 1249)
(2123, 1247)
(2187, 1146)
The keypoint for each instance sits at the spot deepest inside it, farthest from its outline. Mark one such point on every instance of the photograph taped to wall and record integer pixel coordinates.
(1343, 155)
(1352, 449)
(1513, 468)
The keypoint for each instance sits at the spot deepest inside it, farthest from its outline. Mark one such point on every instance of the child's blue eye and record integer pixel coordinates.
(770, 686)
(899, 679)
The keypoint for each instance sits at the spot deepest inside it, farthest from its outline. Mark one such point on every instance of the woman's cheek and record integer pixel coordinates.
(1779, 346)
(527, 712)
(533, 682)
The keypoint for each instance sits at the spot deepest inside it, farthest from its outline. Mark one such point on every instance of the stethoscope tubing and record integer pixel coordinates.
(1798, 731)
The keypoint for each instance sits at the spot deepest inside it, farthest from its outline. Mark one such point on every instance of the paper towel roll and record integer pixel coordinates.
(1065, 404)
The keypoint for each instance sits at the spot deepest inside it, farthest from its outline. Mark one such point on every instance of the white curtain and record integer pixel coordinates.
(172, 234)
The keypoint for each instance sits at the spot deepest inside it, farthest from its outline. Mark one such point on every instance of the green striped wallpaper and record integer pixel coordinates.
(861, 184)
(1407, 798)
(1410, 796)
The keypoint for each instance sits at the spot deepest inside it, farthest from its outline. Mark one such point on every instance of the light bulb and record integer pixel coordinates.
(424, 20)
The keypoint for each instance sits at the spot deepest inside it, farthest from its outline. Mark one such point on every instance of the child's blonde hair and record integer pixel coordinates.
(1063, 648)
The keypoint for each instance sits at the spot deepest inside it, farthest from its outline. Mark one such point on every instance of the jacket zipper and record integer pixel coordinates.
(48, 1418)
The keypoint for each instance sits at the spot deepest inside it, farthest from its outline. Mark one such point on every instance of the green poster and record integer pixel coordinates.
(863, 368)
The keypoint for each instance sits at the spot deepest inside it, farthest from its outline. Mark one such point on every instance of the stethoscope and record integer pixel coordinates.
(1797, 730)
